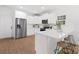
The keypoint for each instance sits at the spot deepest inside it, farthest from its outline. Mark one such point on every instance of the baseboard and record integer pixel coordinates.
(16, 38)
(7, 38)
(30, 35)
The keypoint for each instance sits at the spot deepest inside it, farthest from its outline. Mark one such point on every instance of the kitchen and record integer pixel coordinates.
(42, 20)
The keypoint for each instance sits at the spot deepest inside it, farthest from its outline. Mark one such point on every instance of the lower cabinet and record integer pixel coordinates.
(45, 44)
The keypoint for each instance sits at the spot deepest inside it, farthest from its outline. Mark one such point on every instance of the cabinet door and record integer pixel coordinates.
(52, 43)
(41, 44)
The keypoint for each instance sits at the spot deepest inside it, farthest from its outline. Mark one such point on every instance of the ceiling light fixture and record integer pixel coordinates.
(21, 7)
(43, 7)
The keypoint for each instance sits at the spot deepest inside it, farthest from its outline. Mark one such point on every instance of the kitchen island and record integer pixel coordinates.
(46, 41)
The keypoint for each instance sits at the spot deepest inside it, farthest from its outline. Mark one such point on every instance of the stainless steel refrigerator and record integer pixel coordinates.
(20, 28)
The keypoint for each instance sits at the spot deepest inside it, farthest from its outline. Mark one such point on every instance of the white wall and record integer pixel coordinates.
(6, 17)
(20, 14)
(72, 14)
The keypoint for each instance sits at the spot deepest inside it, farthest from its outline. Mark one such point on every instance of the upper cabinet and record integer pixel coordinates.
(33, 20)
(51, 18)
(38, 19)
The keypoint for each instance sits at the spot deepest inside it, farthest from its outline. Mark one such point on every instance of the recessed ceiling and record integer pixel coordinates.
(36, 9)
(33, 8)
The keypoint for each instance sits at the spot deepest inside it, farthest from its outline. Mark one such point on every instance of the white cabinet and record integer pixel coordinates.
(30, 30)
(51, 17)
(52, 43)
(45, 44)
(41, 44)
(33, 20)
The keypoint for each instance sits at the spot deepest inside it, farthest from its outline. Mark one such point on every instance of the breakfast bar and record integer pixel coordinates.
(46, 41)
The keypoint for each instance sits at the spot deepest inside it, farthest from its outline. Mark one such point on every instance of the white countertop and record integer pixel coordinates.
(56, 34)
(51, 33)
